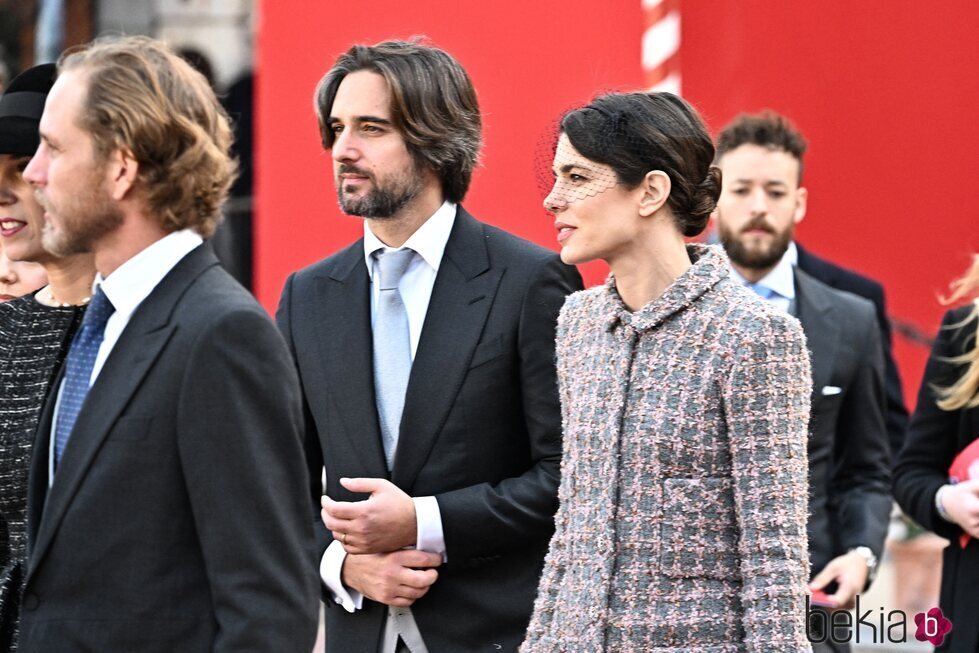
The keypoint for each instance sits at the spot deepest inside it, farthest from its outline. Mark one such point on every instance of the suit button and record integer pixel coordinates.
(30, 602)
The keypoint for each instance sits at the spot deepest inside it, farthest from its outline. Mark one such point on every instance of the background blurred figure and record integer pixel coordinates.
(680, 393)
(167, 499)
(944, 423)
(18, 278)
(767, 126)
(849, 460)
(34, 330)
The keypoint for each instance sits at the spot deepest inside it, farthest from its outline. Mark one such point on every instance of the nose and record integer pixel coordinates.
(345, 147)
(555, 202)
(7, 275)
(759, 204)
(36, 171)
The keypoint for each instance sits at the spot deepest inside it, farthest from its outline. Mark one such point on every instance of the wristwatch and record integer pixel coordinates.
(871, 560)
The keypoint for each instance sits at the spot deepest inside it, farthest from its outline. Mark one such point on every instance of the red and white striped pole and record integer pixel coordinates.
(661, 45)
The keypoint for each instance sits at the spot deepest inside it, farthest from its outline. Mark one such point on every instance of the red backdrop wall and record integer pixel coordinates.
(884, 91)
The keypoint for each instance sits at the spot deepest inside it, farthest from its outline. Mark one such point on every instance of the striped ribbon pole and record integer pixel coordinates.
(661, 45)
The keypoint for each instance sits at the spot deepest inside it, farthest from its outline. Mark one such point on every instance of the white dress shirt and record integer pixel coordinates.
(416, 290)
(126, 288)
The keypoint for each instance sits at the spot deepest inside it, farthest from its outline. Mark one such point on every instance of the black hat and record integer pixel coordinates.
(21, 107)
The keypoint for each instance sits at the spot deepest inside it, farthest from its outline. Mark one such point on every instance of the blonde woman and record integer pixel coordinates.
(945, 422)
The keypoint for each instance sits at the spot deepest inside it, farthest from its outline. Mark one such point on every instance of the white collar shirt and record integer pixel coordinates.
(127, 287)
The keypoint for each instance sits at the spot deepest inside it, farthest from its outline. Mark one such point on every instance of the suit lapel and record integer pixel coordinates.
(140, 344)
(342, 319)
(817, 315)
(464, 290)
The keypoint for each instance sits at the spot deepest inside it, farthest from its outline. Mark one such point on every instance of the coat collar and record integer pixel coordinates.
(708, 269)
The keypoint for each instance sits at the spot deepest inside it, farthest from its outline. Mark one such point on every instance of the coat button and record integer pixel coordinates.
(30, 602)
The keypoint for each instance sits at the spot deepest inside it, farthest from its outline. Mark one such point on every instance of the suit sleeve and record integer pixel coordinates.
(486, 519)
(860, 491)
(239, 424)
(310, 437)
(767, 411)
(931, 446)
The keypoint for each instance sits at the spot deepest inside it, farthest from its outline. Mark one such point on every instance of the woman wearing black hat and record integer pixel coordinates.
(35, 329)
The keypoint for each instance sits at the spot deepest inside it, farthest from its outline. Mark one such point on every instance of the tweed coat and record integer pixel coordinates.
(683, 496)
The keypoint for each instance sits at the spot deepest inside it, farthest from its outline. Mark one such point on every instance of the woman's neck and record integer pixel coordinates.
(649, 267)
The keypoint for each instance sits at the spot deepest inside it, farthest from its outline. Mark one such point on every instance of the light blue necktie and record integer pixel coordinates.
(78, 368)
(392, 346)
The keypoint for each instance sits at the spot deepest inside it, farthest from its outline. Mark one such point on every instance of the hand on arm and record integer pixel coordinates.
(850, 573)
(961, 502)
(384, 522)
(398, 578)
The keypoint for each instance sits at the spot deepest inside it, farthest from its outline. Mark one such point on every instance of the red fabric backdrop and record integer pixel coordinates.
(884, 91)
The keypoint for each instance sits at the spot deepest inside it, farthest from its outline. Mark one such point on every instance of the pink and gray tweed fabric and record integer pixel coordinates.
(682, 523)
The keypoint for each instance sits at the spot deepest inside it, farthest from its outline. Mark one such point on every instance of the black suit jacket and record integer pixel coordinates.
(842, 279)
(849, 460)
(935, 437)
(178, 519)
(480, 431)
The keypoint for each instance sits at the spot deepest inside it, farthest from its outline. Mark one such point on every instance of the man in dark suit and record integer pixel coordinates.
(838, 277)
(849, 460)
(426, 355)
(167, 503)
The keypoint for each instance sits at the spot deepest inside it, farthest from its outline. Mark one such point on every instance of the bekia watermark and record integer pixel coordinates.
(873, 626)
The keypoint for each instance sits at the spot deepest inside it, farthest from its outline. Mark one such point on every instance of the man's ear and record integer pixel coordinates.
(801, 198)
(655, 188)
(121, 171)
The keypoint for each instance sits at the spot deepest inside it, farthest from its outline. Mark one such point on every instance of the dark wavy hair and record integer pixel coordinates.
(433, 104)
(767, 129)
(635, 133)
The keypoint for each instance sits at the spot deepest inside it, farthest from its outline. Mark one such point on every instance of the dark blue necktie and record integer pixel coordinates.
(78, 368)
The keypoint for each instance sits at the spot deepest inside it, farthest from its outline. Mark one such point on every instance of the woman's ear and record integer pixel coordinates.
(655, 188)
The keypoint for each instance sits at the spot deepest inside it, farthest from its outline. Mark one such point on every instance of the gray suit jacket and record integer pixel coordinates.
(849, 457)
(177, 520)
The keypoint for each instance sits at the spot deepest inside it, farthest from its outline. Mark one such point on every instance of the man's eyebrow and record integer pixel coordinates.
(46, 137)
(363, 119)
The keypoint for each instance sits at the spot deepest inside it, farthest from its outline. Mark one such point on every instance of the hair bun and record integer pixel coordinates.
(703, 201)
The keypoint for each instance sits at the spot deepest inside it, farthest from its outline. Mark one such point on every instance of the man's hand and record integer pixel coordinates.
(961, 502)
(384, 522)
(850, 573)
(398, 579)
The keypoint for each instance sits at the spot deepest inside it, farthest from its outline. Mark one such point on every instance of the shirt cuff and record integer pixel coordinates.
(940, 507)
(428, 521)
(330, 567)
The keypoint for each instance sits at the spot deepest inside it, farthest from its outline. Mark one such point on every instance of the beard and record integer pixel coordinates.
(85, 218)
(385, 198)
(755, 257)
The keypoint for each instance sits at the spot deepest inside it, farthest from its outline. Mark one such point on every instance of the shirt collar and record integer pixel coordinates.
(781, 279)
(429, 239)
(134, 280)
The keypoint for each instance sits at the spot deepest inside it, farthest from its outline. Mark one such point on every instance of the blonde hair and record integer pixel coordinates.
(144, 98)
(964, 393)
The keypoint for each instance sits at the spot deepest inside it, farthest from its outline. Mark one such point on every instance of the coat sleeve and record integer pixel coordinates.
(932, 441)
(240, 448)
(767, 409)
(486, 519)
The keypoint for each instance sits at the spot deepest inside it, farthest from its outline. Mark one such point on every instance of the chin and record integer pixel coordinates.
(574, 256)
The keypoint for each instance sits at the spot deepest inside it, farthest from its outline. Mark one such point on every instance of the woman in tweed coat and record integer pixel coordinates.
(682, 523)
